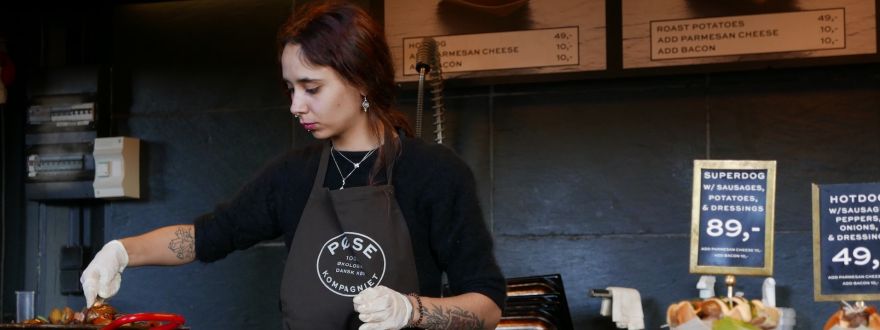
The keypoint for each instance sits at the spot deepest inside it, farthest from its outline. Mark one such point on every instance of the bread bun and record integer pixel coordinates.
(712, 310)
(874, 321)
(680, 313)
(833, 321)
(842, 318)
(764, 317)
(741, 310)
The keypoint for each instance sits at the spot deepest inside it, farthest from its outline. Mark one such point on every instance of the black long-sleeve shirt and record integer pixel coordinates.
(434, 188)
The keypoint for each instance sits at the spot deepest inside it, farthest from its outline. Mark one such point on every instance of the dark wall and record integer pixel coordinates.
(592, 179)
(41, 38)
(205, 98)
(587, 178)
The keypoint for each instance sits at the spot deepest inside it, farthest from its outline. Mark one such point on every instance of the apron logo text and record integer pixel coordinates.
(349, 263)
(355, 289)
(357, 244)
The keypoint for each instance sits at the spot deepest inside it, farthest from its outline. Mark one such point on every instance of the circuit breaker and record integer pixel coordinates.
(117, 170)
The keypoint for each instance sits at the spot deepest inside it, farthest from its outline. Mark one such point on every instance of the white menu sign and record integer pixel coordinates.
(488, 39)
(672, 33)
(501, 50)
(751, 34)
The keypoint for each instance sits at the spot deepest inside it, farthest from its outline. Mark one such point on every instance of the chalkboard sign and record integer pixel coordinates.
(846, 242)
(732, 217)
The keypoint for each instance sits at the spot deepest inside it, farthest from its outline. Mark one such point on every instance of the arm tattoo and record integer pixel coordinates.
(453, 318)
(184, 245)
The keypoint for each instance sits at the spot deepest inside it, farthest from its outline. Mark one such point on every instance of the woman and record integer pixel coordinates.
(373, 218)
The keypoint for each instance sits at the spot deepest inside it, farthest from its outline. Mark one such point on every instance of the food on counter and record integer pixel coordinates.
(67, 315)
(717, 313)
(851, 317)
(37, 320)
(100, 314)
(62, 316)
(55, 316)
(79, 318)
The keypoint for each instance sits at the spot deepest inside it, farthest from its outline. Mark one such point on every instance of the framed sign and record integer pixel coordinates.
(660, 33)
(732, 217)
(846, 242)
(497, 38)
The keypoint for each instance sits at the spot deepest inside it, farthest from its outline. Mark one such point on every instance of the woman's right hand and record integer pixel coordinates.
(104, 274)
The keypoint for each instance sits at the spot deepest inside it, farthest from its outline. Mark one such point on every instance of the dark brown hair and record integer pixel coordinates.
(344, 38)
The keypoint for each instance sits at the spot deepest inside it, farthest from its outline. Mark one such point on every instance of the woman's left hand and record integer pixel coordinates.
(382, 308)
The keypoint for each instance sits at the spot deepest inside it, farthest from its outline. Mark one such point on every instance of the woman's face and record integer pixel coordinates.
(327, 105)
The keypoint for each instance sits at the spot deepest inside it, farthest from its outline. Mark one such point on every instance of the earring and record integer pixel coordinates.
(365, 104)
(295, 116)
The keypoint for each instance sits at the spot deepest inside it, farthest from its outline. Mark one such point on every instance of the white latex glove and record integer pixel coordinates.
(382, 308)
(104, 274)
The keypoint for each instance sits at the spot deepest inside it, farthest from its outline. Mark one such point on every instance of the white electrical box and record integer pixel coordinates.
(117, 167)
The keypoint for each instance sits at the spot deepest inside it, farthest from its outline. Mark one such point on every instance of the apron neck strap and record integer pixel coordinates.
(322, 167)
(388, 159)
(391, 159)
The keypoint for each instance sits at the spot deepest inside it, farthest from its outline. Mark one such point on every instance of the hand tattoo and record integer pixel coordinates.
(454, 318)
(184, 245)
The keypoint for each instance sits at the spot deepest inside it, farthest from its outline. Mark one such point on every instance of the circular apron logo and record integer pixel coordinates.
(349, 263)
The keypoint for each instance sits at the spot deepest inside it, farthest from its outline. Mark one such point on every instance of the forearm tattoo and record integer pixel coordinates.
(452, 318)
(184, 246)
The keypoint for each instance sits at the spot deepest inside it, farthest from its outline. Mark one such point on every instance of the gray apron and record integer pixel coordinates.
(347, 240)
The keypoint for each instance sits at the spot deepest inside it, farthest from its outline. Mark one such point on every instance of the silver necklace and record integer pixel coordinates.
(356, 165)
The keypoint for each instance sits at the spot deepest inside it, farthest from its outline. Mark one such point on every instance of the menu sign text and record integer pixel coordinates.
(500, 50)
(846, 241)
(732, 217)
(752, 34)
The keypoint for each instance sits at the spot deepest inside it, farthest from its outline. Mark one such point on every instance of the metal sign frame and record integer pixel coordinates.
(769, 212)
(817, 260)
